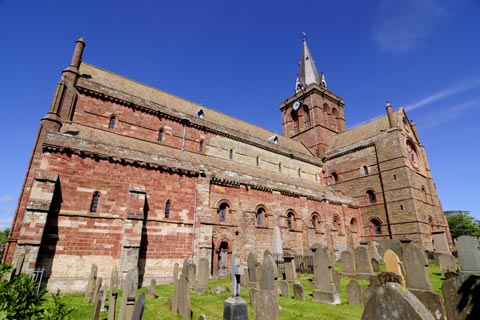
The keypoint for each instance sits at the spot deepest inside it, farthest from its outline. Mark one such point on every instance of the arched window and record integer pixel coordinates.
(334, 177)
(111, 123)
(326, 113)
(424, 193)
(315, 221)
(376, 226)
(336, 222)
(230, 154)
(371, 196)
(94, 203)
(430, 223)
(258, 161)
(200, 146)
(334, 123)
(294, 115)
(290, 220)
(160, 135)
(222, 212)
(353, 224)
(167, 209)
(260, 216)
(280, 167)
(365, 170)
(299, 172)
(306, 117)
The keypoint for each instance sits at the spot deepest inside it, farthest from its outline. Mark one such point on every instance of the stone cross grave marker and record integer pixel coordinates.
(235, 308)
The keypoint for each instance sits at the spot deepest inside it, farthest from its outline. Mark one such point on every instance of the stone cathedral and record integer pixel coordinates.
(123, 174)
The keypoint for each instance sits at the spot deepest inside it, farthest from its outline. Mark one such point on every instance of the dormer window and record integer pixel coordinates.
(200, 113)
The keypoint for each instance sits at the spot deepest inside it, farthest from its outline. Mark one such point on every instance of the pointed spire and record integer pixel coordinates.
(307, 73)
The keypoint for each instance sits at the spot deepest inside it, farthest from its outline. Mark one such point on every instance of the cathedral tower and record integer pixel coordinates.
(314, 114)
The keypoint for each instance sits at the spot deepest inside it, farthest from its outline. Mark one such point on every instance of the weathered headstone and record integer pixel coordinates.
(277, 242)
(284, 288)
(184, 308)
(348, 263)
(103, 298)
(375, 265)
(418, 283)
(219, 289)
(192, 274)
(298, 291)
(447, 263)
(152, 288)
(98, 302)
(354, 293)
(176, 268)
(393, 264)
(391, 301)
(235, 308)
(290, 272)
(96, 291)
(395, 245)
(378, 251)
(112, 300)
(92, 280)
(203, 272)
(326, 288)
(139, 307)
(461, 296)
(378, 280)
(129, 293)
(252, 269)
(266, 301)
(363, 263)
(468, 254)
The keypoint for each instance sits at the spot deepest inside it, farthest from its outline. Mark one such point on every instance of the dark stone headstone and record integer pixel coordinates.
(391, 301)
(461, 296)
(235, 308)
(139, 307)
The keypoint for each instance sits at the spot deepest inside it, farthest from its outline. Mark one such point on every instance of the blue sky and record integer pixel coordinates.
(241, 58)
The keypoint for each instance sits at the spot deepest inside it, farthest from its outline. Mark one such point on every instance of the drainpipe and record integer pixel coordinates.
(383, 193)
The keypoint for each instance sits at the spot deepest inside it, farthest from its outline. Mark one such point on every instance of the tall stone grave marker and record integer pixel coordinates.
(354, 293)
(393, 264)
(92, 280)
(235, 308)
(326, 277)
(468, 254)
(252, 269)
(129, 294)
(290, 272)
(192, 274)
(184, 308)
(363, 263)
(202, 280)
(348, 262)
(112, 301)
(139, 307)
(418, 283)
(266, 301)
(98, 301)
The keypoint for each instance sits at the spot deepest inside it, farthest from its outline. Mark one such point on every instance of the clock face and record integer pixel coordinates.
(296, 105)
(413, 154)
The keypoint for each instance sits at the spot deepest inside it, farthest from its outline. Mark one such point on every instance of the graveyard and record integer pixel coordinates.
(351, 287)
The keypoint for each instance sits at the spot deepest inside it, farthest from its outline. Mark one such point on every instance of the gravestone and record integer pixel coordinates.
(468, 254)
(92, 280)
(348, 262)
(418, 283)
(378, 280)
(393, 264)
(139, 307)
(363, 263)
(284, 288)
(176, 268)
(461, 296)
(129, 293)
(277, 242)
(378, 251)
(203, 272)
(447, 263)
(192, 274)
(202, 317)
(18, 266)
(395, 245)
(354, 293)
(290, 272)
(96, 291)
(219, 290)
(176, 289)
(103, 298)
(265, 300)
(235, 308)
(375, 265)
(298, 291)
(112, 300)
(326, 278)
(391, 301)
(98, 302)
(151, 289)
(252, 269)
(184, 308)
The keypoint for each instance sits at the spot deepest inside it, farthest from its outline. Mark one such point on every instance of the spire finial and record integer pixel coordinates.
(304, 35)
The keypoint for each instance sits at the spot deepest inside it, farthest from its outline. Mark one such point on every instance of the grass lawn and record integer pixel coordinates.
(212, 305)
